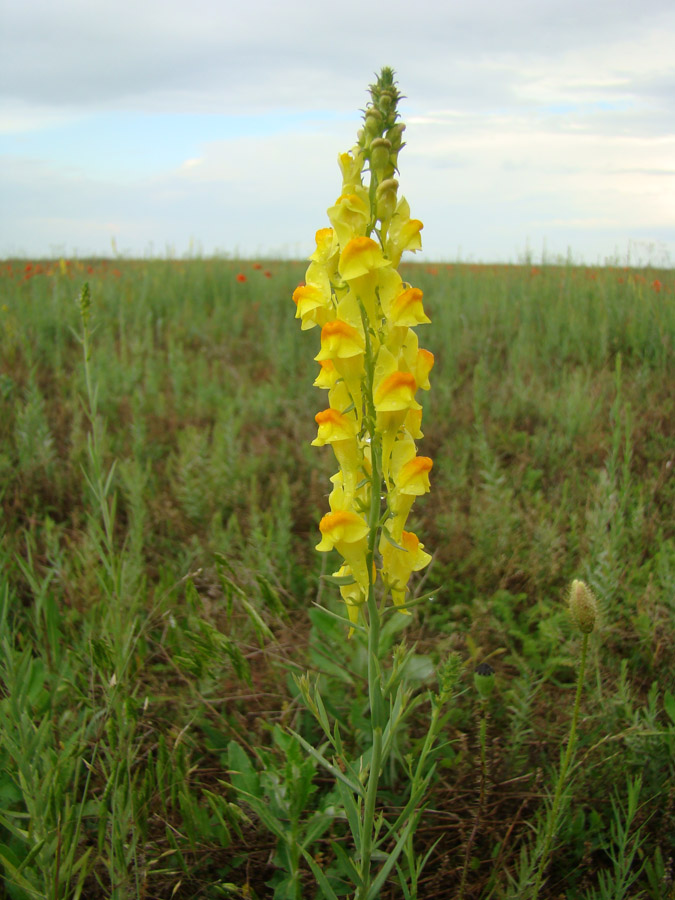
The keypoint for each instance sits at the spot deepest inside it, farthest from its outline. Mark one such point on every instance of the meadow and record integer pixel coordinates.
(158, 583)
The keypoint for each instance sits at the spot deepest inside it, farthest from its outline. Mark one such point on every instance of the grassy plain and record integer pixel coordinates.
(160, 504)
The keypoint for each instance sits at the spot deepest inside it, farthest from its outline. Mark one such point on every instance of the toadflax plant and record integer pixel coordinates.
(372, 367)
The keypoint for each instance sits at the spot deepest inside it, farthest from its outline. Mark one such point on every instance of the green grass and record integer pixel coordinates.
(160, 504)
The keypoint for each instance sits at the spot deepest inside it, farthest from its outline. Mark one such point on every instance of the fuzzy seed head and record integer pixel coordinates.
(583, 606)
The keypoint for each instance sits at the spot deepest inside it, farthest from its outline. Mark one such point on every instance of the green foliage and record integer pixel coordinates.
(157, 581)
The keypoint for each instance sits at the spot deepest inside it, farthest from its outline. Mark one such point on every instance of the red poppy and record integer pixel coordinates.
(241, 277)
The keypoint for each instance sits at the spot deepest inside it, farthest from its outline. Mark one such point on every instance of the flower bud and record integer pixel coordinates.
(484, 680)
(395, 134)
(379, 154)
(385, 198)
(373, 122)
(387, 99)
(583, 606)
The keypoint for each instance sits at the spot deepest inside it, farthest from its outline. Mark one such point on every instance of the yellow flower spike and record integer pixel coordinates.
(399, 564)
(370, 362)
(361, 256)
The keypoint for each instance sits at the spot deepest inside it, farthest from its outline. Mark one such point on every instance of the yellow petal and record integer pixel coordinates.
(361, 256)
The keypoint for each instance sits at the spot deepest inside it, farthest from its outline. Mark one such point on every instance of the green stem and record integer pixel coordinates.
(369, 814)
(481, 801)
(551, 829)
(376, 699)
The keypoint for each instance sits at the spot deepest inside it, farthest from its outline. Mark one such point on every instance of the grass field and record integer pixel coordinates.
(160, 503)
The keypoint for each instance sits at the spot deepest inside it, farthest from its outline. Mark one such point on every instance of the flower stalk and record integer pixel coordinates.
(372, 368)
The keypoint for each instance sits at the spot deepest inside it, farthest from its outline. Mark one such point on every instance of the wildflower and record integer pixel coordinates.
(400, 562)
(241, 278)
(370, 362)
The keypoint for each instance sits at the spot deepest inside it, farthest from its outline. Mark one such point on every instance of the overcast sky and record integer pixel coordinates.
(174, 127)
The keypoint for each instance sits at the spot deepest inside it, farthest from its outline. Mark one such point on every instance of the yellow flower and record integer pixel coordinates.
(333, 426)
(326, 246)
(423, 365)
(410, 475)
(404, 233)
(351, 166)
(340, 340)
(413, 477)
(350, 215)
(361, 256)
(396, 392)
(339, 430)
(327, 376)
(347, 532)
(352, 594)
(399, 564)
(345, 347)
(313, 307)
(407, 309)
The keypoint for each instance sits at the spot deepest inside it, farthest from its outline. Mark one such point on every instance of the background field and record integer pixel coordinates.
(159, 514)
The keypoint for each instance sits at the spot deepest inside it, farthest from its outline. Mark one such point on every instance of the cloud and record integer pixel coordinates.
(161, 121)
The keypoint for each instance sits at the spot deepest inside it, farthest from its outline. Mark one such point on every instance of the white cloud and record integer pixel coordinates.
(526, 120)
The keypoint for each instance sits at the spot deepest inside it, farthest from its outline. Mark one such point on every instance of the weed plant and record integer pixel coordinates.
(157, 579)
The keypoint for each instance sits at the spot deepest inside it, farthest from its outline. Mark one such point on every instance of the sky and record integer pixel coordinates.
(535, 129)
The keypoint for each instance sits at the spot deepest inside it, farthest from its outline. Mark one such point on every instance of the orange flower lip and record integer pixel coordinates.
(360, 256)
(343, 525)
(328, 416)
(309, 295)
(418, 464)
(339, 340)
(401, 382)
(413, 479)
(338, 328)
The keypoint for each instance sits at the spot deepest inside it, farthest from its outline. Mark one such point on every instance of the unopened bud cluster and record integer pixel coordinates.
(370, 361)
(583, 606)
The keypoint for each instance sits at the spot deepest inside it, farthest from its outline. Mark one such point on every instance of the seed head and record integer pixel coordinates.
(583, 606)
(484, 679)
